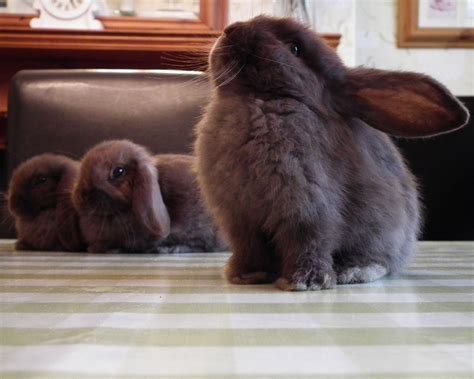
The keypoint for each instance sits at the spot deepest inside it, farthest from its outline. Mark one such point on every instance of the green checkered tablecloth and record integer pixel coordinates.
(173, 316)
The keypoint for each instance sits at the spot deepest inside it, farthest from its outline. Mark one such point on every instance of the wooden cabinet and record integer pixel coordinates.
(126, 43)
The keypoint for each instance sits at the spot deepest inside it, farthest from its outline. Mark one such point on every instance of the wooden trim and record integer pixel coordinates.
(411, 35)
(117, 42)
(121, 33)
(134, 25)
(214, 13)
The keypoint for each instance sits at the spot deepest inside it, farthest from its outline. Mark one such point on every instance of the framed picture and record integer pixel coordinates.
(436, 23)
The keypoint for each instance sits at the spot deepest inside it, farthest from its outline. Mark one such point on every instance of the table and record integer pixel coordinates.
(173, 316)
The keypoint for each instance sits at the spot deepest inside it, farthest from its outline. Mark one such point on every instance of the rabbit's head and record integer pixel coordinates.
(39, 183)
(275, 58)
(120, 176)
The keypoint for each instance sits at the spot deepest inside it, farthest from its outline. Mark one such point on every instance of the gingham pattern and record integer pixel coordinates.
(173, 316)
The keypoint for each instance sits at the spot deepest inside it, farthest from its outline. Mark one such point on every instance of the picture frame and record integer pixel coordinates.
(436, 23)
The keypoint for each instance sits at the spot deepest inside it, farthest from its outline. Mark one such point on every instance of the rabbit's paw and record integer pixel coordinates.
(256, 277)
(358, 274)
(307, 280)
(21, 245)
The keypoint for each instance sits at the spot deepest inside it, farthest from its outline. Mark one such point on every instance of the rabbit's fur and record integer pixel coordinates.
(291, 164)
(39, 199)
(192, 228)
(154, 207)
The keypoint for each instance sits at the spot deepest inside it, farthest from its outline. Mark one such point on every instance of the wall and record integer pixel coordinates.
(369, 30)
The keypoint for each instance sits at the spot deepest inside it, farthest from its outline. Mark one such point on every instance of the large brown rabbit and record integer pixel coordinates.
(39, 199)
(295, 163)
(130, 201)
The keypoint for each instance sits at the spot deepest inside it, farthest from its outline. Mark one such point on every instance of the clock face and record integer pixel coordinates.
(66, 9)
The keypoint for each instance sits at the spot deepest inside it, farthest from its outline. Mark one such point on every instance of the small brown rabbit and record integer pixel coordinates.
(192, 228)
(292, 165)
(130, 201)
(39, 199)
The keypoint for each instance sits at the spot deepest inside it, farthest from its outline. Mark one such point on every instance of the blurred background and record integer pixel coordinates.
(435, 37)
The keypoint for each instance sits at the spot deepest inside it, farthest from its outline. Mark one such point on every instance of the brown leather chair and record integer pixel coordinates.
(69, 111)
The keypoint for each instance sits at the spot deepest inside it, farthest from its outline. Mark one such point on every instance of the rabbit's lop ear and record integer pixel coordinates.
(147, 201)
(402, 103)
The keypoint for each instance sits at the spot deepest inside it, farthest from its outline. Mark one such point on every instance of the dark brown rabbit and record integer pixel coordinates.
(192, 228)
(292, 165)
(39, 199)
(130, 201)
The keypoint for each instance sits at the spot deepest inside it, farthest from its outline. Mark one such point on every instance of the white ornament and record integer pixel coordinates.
(66, 14)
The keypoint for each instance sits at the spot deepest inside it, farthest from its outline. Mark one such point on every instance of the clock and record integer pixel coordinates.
(66, 14)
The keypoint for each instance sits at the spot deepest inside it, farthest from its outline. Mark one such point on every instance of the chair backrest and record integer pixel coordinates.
(69, 111)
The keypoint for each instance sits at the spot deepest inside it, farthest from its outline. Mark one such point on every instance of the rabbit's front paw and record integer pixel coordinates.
(236, 276)
(21, 245)
(257, 277)
(311, 279)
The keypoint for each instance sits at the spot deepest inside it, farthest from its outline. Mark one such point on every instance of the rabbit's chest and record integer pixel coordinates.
(281, 142)
(281, 158)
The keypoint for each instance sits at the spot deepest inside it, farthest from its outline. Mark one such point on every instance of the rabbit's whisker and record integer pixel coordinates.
(231, 78)
(274, 61)
(221, 48)
(226, 70)
(197, 80)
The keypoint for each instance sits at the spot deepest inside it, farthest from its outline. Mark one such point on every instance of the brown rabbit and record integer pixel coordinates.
(39, 199)
(130, 201)
(293, 167)
(192, 228)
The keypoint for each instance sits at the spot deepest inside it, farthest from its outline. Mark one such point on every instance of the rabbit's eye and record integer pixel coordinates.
(295, 50)
(40, 180)
(118, 172)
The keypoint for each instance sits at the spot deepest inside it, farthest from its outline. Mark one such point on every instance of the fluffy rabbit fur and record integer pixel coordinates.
(39, 199)
(130, 201)
(192, 228)
(294, 162)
